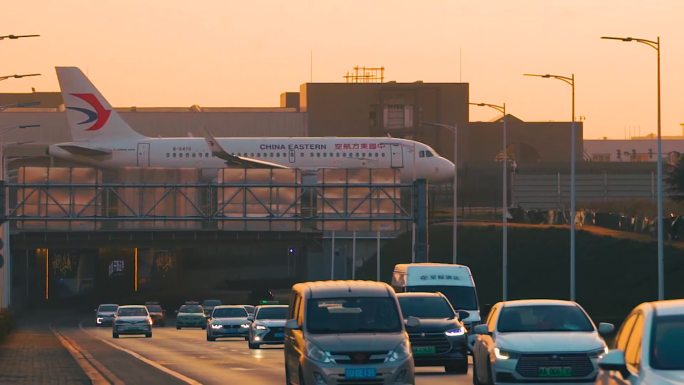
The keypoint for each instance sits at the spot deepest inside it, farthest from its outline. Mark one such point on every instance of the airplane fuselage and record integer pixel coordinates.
(413, 159)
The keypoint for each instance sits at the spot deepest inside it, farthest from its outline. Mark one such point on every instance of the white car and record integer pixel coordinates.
(132, 319)
(649, 348)
(538, 341)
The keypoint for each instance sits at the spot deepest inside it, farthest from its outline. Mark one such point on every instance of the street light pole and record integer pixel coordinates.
(573, 160)
(504, 196)
(454, 214)
(659, 165)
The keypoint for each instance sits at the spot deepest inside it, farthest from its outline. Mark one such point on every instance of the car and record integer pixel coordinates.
(347, 332)
(649, 347)
(190, 316)
(132, 319)
(228, 321)
(104, 314)
(268, 326)
(157, 313)
(440, 339)
(549, 341)
(209, 304)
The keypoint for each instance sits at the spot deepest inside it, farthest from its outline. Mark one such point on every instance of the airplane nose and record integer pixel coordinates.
(444, 171)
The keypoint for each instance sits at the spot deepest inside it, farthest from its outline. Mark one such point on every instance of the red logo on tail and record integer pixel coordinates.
(99, 116)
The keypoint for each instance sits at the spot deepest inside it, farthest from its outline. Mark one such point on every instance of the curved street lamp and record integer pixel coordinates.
(15, 76)
(14, 37)
(573, 141)
(659, 198)
(504, 198)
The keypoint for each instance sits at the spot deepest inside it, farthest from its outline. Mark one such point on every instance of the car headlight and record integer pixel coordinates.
(455, 332)
(596, 353)
(317, 354)
(216, 326)
(260, 327)
(501, 354)
(245, 325)
(99, 320)
(402, 351)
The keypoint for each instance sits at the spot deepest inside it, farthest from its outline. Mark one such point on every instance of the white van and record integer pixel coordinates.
(454, 281)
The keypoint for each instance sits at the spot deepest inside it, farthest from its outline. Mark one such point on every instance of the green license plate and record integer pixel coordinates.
(555, 371)
(421, 350)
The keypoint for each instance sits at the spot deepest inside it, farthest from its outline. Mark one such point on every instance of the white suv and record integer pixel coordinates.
(649, 348)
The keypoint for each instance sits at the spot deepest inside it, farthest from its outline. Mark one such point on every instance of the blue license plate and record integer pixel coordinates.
(360, 373)
(279, 335)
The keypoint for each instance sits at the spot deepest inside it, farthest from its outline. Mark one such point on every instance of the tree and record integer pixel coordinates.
(675, 180)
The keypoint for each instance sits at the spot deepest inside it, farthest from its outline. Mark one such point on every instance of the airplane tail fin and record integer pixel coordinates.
(89, 115)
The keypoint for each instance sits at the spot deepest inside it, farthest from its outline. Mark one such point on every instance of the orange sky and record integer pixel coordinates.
(245, 53)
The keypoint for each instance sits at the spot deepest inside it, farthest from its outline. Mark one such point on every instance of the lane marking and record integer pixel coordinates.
(154, 364)
(92, 368)
(148, 361)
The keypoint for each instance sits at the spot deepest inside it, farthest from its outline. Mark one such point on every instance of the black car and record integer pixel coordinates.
(440, 338)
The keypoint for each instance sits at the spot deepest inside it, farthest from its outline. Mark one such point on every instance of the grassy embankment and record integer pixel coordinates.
(615, 271)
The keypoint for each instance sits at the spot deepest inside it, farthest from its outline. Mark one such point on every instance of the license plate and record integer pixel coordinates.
(555, 371)
(421, 350)
(279, 335)
(360, 373)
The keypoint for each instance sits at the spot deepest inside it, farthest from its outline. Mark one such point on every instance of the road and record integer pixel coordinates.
(185, 357)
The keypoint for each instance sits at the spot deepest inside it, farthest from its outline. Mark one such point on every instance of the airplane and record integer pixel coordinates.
(101, 138)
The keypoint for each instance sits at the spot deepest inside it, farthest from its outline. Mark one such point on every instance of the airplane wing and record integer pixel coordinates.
(83, 150)
(234, 160)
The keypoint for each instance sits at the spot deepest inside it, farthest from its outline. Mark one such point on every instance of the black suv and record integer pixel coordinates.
(440, 338)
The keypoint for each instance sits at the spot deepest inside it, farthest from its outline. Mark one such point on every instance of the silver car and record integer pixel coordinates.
(132, 319)
(268, 327)
(228, 321)
(540, 341)
(346, 332)
(104, 314)
(649, 348)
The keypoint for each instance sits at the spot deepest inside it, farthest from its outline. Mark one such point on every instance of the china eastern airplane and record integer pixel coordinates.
(100, 137)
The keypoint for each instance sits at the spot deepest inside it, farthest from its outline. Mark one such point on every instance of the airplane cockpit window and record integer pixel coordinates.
(429, 154)
(421, 154)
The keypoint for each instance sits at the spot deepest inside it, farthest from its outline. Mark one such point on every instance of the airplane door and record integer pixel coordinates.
(143, 155)
(292, 156)
(396, 155)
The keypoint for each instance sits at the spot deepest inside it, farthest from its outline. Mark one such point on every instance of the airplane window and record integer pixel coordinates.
(376, 154)
(383, 154)
(318, 155)
(194, 155)
(311, 154)
(167, 155)
(358, 155)
(206, 155)
(277, 155)
(174, 154)
(363, 155)
(301, 154)
(325, 154)
(271, 155)
(338, 154)
(187, 154)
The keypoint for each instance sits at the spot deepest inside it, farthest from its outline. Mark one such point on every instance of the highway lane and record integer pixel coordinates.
(185, 356)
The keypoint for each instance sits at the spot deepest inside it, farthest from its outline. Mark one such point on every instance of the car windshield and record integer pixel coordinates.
(111, 308)
(425, 307)
(131, 312)
(460, 297)
(543, 318)
(249, 308)
(230, 312)
(667, 343)
(352, 315)
(154, 308)
(211, 302)
(191, 309)
(272, 313)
